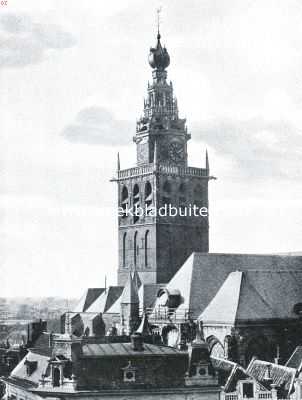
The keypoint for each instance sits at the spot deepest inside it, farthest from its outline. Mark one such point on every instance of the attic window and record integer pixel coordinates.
(298, 309)
(31, 366)
(129, 373)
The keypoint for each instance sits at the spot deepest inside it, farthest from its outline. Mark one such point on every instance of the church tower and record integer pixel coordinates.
(156, 246)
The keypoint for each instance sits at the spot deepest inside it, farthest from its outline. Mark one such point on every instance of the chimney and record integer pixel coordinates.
(137, 342)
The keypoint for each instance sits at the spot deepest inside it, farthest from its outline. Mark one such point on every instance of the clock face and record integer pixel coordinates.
(176, 151)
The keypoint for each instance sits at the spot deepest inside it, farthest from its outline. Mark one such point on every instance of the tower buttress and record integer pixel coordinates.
(130, 305)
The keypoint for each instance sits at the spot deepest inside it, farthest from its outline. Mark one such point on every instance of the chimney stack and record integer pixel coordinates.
(137, 342)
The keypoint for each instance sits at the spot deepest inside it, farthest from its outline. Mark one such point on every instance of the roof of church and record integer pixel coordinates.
(90, 295)
(147, 294)
(253, 295)
(295, 361)
(203, 274)
(224, 306)
(106, 299)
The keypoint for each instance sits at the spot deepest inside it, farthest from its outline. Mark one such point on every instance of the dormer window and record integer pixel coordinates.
(31, 366)
(129, 373)
(298, 309)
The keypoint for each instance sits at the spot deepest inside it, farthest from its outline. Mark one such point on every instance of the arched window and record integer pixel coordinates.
(135, 201)
(146, 248)
(198, 194)
(124, 201)
(148, 197)
(124, 249)
(135, 249)
(167, 192)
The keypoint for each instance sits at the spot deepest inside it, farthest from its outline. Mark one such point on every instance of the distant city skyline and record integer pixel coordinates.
(73, 78)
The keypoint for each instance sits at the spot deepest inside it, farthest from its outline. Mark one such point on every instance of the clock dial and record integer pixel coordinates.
(176, 151)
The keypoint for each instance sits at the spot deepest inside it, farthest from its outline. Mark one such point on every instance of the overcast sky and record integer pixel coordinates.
(73, 75)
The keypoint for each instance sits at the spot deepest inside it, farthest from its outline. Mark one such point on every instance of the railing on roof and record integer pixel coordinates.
(258, 396)
(230, 396)
(166, 169)
(164, 314)
(264, 395)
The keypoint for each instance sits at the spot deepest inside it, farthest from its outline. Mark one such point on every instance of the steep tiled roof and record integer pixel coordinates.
(223, 307)
(201, 276)
(228, 373)
(90, 295)
(106, 299)
(295, 360)
(253, 295)
(147, 294)
(20, 372)
(282, 376)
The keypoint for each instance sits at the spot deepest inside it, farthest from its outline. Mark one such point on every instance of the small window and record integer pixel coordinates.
(31, 366)
(248, 390)
(56, 377)
(298, 309)
(129, 373)
(202, 371)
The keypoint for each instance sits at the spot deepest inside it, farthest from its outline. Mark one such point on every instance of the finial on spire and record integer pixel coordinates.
(207, 162)
(159, 58)
(118, 161)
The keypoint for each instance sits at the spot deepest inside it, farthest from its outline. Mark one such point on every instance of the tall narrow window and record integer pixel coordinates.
(135, 202)
(166, 199)
(135, 249)
(148, 197)
(182, 196)
(56, 377)
(125, 201)
(198, 200)
(124, 249)
(146, 249)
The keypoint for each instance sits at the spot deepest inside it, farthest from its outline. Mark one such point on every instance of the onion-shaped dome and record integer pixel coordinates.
(159, 57)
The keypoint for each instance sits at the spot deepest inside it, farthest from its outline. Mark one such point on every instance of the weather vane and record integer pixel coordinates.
(158, 17)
